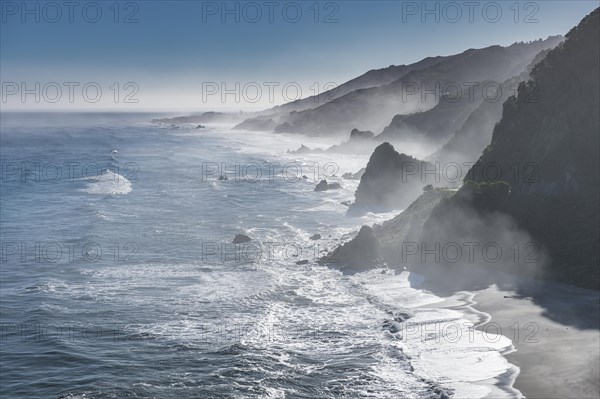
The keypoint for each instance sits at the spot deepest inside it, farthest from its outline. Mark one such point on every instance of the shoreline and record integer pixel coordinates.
(555, 334)
(503, 384)
(555, 358)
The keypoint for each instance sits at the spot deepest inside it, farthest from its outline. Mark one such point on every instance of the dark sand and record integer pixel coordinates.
(558, 353)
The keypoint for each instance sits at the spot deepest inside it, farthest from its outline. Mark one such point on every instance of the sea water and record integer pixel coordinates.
(119, 278)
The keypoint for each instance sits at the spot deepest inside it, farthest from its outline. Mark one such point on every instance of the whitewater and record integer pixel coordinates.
(120, 280)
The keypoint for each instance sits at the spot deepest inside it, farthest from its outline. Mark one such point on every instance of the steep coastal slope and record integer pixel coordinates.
(372, 78)
(430, 129)
(273, 117)
(549, 134)
(537, 182)
(373, 108)
(455, 131)
(468, 142)
(536, 185)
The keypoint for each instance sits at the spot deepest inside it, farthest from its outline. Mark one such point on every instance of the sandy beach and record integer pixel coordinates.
(556, 338)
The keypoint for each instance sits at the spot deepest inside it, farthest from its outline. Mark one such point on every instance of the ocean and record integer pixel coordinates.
(119, 277)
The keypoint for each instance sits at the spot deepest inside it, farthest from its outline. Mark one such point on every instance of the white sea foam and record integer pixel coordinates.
(108, 183)
(443, 344)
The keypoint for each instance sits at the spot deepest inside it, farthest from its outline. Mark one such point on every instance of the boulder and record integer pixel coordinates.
(324, 186)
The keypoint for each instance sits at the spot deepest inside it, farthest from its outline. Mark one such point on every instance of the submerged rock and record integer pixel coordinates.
(241, 238)
(315, 237)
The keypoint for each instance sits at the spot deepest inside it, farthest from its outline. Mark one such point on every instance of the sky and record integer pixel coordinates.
(238, 55)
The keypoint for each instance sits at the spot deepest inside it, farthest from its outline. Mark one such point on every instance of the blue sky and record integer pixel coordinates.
(169, 49)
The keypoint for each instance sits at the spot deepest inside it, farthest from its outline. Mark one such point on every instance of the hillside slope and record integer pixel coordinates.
(373, 108)
(545, 158)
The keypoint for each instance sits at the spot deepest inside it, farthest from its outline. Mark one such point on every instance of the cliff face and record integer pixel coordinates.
(391, 180)
(541, 170)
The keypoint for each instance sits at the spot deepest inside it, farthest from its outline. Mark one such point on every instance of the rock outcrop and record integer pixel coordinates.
(391, 180)
(384, 243)
(304, 150)
(357, 255)
(354, 176)
(324, 186)
(356, 134)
